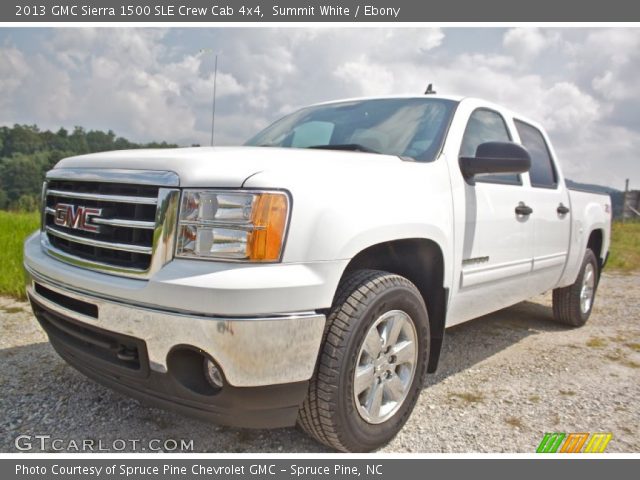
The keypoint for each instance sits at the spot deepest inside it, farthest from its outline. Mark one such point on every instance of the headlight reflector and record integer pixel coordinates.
(209, 206)
(232, 225)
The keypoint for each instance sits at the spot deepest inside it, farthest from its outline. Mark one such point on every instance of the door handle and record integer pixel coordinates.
(562, 210)
(523, 209)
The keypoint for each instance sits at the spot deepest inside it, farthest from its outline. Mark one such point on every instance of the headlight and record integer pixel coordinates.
(232, 225)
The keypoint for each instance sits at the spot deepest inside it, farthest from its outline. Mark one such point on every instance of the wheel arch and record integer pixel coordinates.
(421, 261)
(595, 243)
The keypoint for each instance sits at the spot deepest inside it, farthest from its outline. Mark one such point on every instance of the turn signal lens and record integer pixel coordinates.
(269, 219)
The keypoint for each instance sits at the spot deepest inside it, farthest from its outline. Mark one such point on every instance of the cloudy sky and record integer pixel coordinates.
(152, 84)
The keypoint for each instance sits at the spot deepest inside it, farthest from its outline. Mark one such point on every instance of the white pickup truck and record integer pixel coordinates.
(309, 276)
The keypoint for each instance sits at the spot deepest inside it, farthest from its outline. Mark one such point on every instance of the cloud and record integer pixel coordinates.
(608, 64)
(566, 109)
(367, 78)
(152, 84)
(527, 43)
(13, 71)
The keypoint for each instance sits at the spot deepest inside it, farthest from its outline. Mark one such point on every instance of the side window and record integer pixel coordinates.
(542, 173)
(486, 126)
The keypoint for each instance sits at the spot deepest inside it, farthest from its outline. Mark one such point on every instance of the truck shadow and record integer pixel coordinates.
(472, 342)
(41, 394)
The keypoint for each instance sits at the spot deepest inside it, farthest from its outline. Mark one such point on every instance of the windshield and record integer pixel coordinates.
(406, 127)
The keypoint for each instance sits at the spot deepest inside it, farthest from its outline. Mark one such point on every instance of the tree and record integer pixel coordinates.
(26, 203)
(27, 153)
(123, 144)
(23, 139)
(20, 175)
(78, 141)
(99, 141)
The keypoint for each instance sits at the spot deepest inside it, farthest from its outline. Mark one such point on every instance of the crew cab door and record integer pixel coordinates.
(497, 248)
(550, 203)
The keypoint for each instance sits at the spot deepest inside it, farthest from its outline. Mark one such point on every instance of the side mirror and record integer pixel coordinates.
(496, 157)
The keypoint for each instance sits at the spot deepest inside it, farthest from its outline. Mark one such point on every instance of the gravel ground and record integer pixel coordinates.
(503, 381)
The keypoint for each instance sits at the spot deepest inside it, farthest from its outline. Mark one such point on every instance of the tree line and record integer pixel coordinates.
(26, 153)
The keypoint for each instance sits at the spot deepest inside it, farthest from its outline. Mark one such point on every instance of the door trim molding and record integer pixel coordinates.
(476, 275)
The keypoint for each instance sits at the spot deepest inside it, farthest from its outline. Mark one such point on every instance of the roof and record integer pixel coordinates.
(455, 98)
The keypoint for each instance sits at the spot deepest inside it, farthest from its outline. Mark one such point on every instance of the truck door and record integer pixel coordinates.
(497, 250)
(551, 216)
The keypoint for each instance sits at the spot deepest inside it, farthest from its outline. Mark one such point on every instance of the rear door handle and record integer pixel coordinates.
(562, 210)
(522, 209)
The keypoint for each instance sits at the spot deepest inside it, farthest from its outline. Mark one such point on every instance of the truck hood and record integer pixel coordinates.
(228, 166)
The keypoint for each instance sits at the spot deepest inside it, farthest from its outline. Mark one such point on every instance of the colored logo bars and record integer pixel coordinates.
(574, 443)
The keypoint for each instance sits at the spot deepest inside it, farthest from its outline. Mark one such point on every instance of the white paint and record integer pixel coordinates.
(344, 202)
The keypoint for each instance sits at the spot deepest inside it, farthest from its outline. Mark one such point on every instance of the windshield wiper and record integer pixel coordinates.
(356, 147)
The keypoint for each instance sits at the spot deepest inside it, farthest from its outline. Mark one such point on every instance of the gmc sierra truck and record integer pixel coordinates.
(309, 276)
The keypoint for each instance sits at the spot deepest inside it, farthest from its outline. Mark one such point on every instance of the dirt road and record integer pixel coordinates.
(503, 381)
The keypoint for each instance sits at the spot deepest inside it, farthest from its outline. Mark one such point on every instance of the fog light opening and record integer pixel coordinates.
(213, 374)
(188, 366)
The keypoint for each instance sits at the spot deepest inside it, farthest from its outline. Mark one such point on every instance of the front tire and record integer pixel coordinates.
(572, 305)
(372, 362)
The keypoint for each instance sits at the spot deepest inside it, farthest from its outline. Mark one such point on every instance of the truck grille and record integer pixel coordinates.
(99, 220)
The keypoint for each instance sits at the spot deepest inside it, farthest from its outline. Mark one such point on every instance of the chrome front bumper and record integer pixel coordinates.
(251, 352)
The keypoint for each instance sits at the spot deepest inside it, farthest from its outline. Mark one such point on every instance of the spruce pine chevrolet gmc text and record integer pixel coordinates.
(309, 276)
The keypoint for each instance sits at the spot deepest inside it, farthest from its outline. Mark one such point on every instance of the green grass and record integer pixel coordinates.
(14, 229)
(625, 247)
(596, 342)
(514, 422)
(469, 397)
(633, 346)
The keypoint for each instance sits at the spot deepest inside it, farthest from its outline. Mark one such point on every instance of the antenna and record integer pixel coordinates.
(215, 78)
(213, 107)
(430, 90)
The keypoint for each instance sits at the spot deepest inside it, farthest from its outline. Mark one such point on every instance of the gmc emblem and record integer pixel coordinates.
(77, 217)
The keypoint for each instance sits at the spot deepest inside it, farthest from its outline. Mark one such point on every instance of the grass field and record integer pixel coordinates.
(625, 247)
(15, 227)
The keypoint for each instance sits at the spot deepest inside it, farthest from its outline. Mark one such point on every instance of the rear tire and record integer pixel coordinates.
(370, 306)
(572, 305)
